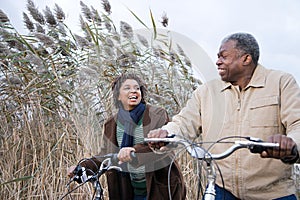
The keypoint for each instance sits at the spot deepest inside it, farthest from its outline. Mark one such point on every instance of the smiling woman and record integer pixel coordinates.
(145, 177)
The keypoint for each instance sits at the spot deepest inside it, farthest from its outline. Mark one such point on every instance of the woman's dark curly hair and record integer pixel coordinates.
(116, 85)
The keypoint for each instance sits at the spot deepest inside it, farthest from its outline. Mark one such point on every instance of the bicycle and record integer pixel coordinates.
(255, 145)
(80, 174)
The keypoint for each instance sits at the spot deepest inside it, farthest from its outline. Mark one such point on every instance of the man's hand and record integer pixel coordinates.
(287, 150)
(157, 133)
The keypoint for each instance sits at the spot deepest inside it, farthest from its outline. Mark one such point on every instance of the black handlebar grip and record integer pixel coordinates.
(259, 149)
(77, 174)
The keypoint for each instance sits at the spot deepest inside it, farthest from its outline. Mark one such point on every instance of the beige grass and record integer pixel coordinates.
(54, 91)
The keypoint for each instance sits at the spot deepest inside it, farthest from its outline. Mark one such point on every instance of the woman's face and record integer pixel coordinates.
(130, 94)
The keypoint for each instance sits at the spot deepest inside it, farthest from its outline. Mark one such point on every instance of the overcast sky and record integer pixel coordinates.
(274, 23)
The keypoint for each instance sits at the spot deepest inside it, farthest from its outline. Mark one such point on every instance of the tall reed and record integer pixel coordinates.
(55, 91)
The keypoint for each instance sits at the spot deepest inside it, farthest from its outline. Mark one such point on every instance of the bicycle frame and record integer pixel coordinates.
(255, 145)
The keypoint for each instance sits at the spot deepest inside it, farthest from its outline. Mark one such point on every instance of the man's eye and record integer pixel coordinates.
(223, 56)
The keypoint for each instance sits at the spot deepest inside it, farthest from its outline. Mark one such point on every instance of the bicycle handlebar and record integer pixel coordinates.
(255, 145)
(110, 162)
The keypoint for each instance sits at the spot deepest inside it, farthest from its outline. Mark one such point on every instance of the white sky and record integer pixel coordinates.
(274, 23)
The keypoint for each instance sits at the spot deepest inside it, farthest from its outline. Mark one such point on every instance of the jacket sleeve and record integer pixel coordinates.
(290, 107)
(188, 122)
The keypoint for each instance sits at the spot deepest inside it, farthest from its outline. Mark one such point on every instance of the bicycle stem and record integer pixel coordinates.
(98, 190)
(210, 192)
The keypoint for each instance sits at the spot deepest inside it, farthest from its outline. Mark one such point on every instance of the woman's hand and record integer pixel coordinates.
(124, 154)
(70, 171)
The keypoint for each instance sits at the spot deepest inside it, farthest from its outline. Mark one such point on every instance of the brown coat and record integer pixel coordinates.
(156, 166)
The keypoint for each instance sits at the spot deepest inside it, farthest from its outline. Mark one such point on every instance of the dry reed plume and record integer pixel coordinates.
(54, 90)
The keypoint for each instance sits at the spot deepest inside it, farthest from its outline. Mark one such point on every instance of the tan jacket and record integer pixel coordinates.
(157, 166)
(270, 104)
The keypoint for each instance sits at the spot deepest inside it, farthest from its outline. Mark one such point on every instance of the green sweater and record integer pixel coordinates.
(137, 175)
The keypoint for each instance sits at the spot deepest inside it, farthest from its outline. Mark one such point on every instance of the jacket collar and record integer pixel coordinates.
(258, 79)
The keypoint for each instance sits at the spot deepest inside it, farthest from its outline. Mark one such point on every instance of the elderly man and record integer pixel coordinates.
(249, 100)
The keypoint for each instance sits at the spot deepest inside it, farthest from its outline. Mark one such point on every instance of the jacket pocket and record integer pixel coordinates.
(264, 112)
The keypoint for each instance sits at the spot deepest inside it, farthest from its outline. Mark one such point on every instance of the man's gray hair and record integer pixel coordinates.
(246, 43)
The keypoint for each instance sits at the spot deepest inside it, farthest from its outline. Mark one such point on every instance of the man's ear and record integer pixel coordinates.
(247, 59)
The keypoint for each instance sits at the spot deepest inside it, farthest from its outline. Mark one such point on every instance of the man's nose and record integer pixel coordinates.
(218, 62)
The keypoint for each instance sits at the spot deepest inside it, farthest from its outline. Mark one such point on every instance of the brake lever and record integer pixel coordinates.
(79, 174)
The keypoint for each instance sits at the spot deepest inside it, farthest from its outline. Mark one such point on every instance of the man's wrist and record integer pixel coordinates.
(293, 158)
